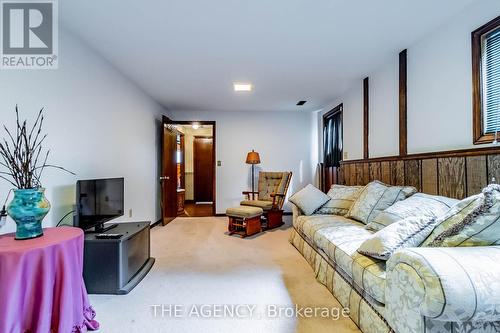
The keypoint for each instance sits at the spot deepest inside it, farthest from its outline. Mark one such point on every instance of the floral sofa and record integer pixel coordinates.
(419, 289)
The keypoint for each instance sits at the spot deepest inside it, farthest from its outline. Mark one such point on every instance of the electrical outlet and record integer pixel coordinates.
(130, 212)
(345, 155)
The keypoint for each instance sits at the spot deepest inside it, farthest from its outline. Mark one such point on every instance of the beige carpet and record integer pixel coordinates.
(197, 264)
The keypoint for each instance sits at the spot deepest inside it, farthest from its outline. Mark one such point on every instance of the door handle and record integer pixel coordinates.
(164, 178)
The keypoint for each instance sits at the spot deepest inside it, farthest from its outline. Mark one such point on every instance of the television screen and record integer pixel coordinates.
(98, 201)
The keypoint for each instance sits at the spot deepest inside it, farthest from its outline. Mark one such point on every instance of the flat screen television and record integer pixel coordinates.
(98, 201)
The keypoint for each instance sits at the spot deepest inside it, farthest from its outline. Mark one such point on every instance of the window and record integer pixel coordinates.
(332, 137)
(486, 82)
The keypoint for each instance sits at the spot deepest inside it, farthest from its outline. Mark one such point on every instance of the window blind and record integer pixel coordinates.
(332, 140)
(491, 82)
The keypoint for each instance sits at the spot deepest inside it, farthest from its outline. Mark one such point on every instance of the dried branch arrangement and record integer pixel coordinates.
(23, 156)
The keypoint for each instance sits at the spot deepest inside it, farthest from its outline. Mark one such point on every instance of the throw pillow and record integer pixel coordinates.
(409, 232)
(419, 204)
(474, 221)
(341, 199)
(309, 199)
(376, 197)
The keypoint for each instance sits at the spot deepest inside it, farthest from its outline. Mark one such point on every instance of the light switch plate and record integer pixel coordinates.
(219, 163)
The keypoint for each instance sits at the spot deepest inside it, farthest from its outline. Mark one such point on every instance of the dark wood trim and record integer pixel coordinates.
(477, 115)
(366, 117)
(403, 103)
(338, 108)
(439, 154)
(214, 154)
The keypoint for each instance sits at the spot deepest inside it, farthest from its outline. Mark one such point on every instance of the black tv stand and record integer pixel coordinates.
(117, 265)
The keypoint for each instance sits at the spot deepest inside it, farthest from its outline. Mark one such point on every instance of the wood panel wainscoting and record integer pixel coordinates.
(455, 174)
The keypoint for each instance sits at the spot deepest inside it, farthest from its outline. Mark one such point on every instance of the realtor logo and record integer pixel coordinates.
(29, 34)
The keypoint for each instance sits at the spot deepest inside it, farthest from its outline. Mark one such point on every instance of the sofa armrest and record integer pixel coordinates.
(296, 212)
(455, 284)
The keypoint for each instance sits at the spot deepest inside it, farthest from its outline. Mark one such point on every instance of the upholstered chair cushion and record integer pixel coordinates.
(271, 182)
(474, 221)
(409, 232)
(244, 212)
(419, 204)
(265, 205)
(341, 199)
(283, 186)
(309, 199)
(376, 197)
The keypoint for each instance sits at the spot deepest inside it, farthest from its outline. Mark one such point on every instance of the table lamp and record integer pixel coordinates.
(253, 158)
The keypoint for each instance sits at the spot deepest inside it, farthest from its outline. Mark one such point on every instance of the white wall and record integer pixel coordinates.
(283, 140)
(384, 110)
(440, 83)
(99, 125)
(439, 93)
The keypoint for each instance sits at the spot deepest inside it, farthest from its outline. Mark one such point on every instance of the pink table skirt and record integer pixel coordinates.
(41, 284)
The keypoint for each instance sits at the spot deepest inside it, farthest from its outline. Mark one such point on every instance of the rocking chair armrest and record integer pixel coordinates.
(277, 196)
(250, 194)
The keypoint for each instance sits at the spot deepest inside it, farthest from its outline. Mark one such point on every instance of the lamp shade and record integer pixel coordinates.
(253, 157)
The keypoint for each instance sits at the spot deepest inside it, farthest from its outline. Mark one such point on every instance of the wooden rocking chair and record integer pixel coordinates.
(270, 196)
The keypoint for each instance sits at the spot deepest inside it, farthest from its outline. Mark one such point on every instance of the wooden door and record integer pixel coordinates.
(203, 169)
(168, 177)
(182, 163)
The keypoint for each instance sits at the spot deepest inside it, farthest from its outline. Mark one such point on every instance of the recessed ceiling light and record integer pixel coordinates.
(242, 86)
(196, 126)
(300, 103)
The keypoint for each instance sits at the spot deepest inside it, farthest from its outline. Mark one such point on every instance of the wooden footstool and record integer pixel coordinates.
(244, 220)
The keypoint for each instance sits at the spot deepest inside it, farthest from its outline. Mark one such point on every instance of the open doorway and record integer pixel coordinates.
(188, 169)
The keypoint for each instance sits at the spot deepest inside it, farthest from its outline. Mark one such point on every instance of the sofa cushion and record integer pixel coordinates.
(309, 199)
(338, 238)
(264, 204)
(410, 232)
(473, 221)
(376, 197)
(341, 199)
(369, 274)
(419, 204)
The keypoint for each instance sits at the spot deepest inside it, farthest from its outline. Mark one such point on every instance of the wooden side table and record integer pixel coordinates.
(274, 219)
(42, 288)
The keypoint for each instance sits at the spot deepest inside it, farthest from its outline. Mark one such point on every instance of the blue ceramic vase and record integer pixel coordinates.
(27, 209)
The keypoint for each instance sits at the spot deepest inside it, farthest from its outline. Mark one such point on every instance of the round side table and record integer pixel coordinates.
(41, 284)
